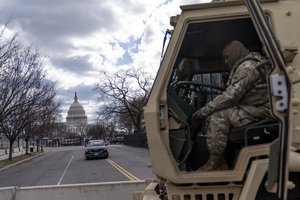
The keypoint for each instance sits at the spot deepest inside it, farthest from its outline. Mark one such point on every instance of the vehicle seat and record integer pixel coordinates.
(260, 132)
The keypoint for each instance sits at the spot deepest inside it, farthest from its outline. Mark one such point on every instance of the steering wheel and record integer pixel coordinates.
(200, 87)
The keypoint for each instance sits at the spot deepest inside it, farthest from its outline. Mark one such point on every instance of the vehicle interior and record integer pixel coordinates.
(199, 75)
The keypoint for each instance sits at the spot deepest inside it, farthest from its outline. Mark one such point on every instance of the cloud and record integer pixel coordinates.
(58, 20)
(75, 64)
(79, 38)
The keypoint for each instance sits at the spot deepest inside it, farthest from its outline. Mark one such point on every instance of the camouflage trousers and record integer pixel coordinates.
(218, 124)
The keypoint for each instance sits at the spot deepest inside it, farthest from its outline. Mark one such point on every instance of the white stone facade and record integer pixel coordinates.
(76, 118)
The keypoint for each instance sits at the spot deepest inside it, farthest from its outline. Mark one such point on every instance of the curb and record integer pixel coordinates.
(21, 161)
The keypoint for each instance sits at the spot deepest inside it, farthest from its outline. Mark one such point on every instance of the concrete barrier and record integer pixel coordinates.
(7, 193)
(122, 190)
(2, 152)
(16, 149)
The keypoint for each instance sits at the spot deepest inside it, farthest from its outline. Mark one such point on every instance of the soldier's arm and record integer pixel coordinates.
(245, 78)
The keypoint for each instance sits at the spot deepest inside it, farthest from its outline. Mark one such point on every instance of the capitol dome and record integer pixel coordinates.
(76, 112)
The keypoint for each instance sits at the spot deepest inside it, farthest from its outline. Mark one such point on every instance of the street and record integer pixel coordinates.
(66, 165)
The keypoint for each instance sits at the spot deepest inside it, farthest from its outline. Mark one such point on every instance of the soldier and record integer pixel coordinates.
(244, 101)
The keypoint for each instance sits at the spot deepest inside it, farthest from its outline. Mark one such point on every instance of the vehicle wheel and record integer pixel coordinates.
(106, 156)
(86, 157)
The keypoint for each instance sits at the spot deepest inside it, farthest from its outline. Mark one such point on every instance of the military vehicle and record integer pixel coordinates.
(263, 157)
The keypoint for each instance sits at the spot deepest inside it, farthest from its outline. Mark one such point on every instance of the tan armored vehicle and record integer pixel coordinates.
(263, 157)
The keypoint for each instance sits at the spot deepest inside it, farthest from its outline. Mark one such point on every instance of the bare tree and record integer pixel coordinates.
(125, 94)
(43, 120)
(23, 91)
(83, 129)
(8, 45)
(103, 129)
(97, 131)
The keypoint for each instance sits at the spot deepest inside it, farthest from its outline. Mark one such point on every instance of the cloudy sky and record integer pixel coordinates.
(79, 38)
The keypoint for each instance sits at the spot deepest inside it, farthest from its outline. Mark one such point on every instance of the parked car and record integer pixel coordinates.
(96, 149)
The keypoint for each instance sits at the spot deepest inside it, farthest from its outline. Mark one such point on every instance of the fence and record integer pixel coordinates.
(136, 140)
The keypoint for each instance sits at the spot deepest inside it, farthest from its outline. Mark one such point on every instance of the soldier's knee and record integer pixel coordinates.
(220, 115)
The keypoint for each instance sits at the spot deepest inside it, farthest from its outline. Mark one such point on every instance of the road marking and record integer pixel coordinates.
(63, 174)
(122, 170)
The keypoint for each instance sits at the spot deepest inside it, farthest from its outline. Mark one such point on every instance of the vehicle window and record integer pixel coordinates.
(199, 60)
(96, 143)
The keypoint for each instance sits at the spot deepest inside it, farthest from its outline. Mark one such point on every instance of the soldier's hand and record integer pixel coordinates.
(198, 115)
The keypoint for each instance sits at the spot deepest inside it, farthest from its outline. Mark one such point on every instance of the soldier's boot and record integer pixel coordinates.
(214, 162)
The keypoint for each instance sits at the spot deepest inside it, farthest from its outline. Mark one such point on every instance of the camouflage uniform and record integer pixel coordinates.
(245, 100)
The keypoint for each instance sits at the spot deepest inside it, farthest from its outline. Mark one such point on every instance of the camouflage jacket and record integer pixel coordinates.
(246, 88)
